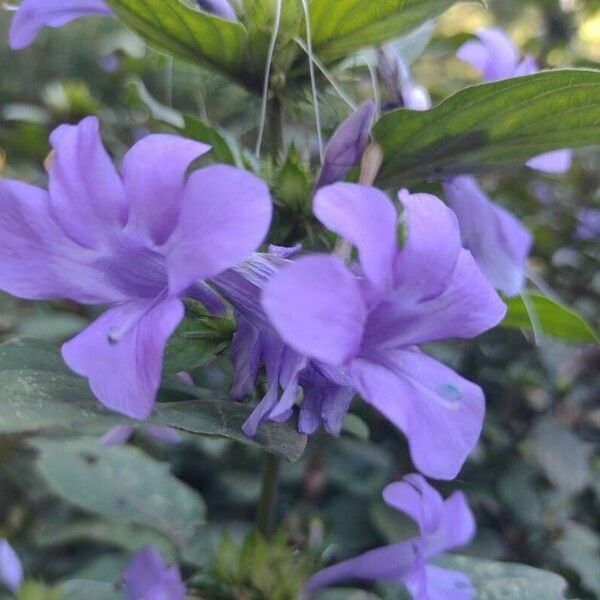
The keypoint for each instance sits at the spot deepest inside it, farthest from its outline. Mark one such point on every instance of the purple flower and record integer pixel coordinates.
(589, 224)
(327, 391)
(496, 57)
(398, 80)
(139, 242)
(347, 145)
(119, 435)
(443, 525)
(11, 569)
(32, 15)
(369, 326)
(149, 578)
(495, 237)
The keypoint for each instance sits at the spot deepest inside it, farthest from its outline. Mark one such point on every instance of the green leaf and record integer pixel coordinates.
(580, 549)
(507, 581)
(224, 148)
(188, 33)
(76, 589)
(38, 393)
(121, 483)
(341, 27)
(555, 319)
(491, 126)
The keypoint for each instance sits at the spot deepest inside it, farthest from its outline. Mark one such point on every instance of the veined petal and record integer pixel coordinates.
(431, 249)
(365, 217)
(121, 353)
(224, 217)
(497, 240)
(439, 412)
(557, 162)
(154, 177)
(347, 145)
(37, 260)
(32, 15)
(86, 193)
(389, 563)
(316, 306)
(420, 501)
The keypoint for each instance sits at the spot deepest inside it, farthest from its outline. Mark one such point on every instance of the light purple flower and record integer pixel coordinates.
(11, 568)
(347, 145)
(495, 237)
(149, 578)
(119, 435)
(589, 224)
(398, 80)
(496, 57)
(33, 15)
(443, 525)
(139, 242)
(369, 326)
(327, 391)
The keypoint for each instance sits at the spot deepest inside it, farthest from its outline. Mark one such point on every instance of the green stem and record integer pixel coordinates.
(276, 127)
(265, 515)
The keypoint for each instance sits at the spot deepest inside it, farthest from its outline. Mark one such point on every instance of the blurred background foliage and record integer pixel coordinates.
(534, 479)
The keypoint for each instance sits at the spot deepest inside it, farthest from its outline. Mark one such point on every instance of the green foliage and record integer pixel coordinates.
(491, 126)
(78, 589)
(32, 590)
(553, 318)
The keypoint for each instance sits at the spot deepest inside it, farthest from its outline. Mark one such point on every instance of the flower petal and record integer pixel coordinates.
(221, 8)
(32, 15)
(420, 501)
(37, 260)
(154, 177)
(439, 412)
(86, 194)
(441, 584)
(389, 563)
(495, 56)
(121, 353)
(497, 240)
(366, 217)
(316, 306)
(11, 568)
(225, 215)
(426, 262)
(347, 145)
(558, 162)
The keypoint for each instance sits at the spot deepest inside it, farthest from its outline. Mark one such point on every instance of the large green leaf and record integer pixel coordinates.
(121, 483)
(341, 27)
(491, 126)
(554, 319)
(189, 33)
(38, 393)
(76, 589)
(507, 581)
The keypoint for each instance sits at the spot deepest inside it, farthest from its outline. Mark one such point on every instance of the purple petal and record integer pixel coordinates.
(468, 307)
(117, 436)
(495, 238)
(441, 584)
(346, 147)
(316, 306)
(11, 568)
(37, 260)
(557, 162)
(86, 194)
(366, 217)
(389, 563)
(528, 66)
(589, 224)
(32, 15)
(121, 353)
(426, 263)
(495, 56)
(166, 435)
(221, 8)
(246, 351)
(457, 526)
(225, 215)
(439, 412)
(149, 578)
(154, 177)
(420, 501)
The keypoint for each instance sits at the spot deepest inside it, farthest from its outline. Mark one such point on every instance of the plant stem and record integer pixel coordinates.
(265, 515)
(276, 127)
